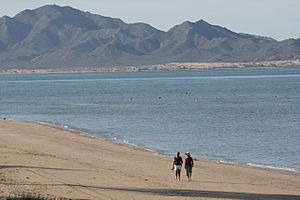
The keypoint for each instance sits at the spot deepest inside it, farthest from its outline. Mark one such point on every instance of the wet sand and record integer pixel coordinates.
(58, 163)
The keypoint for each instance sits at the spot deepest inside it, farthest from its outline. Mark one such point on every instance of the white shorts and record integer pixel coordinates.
(177, 167)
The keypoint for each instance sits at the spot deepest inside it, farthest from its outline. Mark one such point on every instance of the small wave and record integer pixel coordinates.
(227, 162)
(130, 143)
(270, 167)
(288, 169)
(43, 123)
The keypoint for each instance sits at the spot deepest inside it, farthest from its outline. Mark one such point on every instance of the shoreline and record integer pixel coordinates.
(288, 170)
(158, 67)
(66, 127)
(59, 163)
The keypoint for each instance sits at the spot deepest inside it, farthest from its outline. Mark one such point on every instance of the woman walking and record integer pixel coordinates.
(188, 165)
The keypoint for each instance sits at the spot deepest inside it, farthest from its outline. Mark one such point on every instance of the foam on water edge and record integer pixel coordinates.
(130, 144)
(277, 168)
(260, 166)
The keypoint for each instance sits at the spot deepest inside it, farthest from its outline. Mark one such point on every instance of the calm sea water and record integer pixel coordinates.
(247, 116)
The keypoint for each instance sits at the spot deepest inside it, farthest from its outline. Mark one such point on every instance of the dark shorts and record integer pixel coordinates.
(188, 169)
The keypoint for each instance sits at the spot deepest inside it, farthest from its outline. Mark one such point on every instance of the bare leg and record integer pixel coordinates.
(187, 173)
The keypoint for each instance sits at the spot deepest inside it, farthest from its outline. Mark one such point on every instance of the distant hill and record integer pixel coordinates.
(55, 37)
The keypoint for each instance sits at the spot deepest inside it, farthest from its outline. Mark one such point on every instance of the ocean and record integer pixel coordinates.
(248, 116)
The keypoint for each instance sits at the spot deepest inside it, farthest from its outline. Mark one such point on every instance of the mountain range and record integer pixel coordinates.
(52, 36)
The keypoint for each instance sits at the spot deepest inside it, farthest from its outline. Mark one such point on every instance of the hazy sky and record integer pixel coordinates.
(279, 19)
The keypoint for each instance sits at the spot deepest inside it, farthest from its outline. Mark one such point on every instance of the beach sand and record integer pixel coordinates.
(53, 162)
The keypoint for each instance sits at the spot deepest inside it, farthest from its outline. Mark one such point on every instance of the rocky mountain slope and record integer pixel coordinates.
(55, 37)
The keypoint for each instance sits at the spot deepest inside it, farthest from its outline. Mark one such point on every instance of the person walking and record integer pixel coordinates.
(177, 164)
(188, 165)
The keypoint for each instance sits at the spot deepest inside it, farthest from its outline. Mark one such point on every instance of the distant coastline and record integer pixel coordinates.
(158, 67)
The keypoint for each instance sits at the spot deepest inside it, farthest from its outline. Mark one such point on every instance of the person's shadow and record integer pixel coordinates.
(205, 193)
(162, 192)
(182, 192)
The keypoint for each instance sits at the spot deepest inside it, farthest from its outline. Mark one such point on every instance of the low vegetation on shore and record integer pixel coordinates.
(158, 67)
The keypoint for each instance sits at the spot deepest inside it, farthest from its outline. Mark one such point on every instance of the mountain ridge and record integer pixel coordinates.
(52, 36)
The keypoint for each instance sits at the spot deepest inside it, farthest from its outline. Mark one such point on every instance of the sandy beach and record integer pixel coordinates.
(58, 163)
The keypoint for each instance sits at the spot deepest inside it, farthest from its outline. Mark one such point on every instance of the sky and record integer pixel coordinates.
(279, 19)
